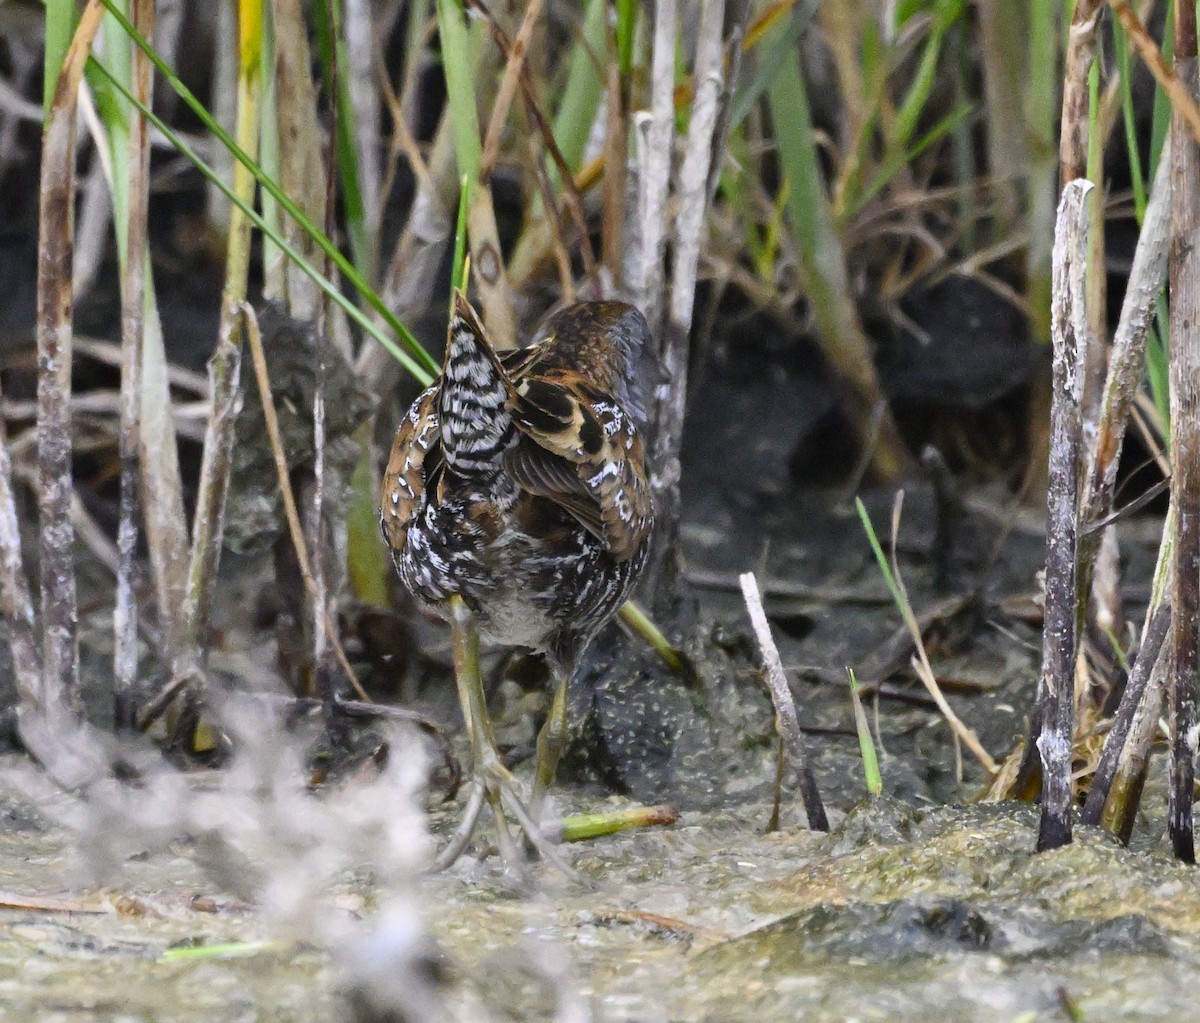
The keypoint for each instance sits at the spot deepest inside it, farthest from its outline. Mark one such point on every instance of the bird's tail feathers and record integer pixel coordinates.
(475, 418)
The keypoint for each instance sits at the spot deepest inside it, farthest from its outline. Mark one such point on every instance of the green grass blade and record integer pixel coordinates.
(1161, 123)
(420, 372)
(327, 17)
(1136, 177)
(917, 97)
(866, 743)
(884, 566)
(891, 166)
(771, 58)
(60, 27)
(457, 268)
(626, 24)
(417, 358)
(460, 92)
(581, 95)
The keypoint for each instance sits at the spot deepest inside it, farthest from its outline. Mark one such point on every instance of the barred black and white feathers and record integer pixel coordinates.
(519, 480)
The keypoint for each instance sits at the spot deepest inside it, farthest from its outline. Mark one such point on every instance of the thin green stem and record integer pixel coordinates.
(418, 362)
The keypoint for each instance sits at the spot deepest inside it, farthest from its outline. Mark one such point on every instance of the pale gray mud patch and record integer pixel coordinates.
(900, 914)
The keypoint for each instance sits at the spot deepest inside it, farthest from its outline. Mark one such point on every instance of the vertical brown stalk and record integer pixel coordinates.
(55, 321)
(1139, 677)
(224, 366)
(1184, 284)
(1060, 637)
(1081, 51)
(133, 324)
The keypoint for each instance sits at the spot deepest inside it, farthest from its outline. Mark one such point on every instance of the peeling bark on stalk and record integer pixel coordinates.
(691, 198)
(56, 207)
(1060, 637)
(1185, 446)
(656, 138)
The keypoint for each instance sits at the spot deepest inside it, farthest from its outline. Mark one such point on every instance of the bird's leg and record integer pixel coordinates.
(490, 777)
(551, 741)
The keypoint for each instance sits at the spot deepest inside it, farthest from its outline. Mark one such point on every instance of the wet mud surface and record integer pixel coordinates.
(937, 914)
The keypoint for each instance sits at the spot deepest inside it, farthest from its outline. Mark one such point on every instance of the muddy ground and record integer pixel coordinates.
(919, 906)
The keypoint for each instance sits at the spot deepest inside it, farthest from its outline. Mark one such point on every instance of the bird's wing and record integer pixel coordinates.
(414, 458)
(580, 449)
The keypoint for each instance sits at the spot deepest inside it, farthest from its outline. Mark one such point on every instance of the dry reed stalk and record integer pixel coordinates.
(1184, 288)
(1056, 693)
(692, 194)
(656, 145)
(616, 170)
(691, 206)
(1183, 101)
(513, 69)
(133, 327)
(1126, 362)
(1081, 52)
(785, 708)
(60, 665)
(1114, 745)
(224, 372)
(301, 171)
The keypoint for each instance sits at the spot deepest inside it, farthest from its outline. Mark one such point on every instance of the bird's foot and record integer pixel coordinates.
(493, 785)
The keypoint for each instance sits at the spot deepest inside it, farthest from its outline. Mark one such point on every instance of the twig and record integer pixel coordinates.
(787, 589)
(785, 708)
(1114, 744)
(508, 88)
(1056, 694)
(1183, 102)
(666, 926)
(553, 218)
(296, 530)
(1185, 444)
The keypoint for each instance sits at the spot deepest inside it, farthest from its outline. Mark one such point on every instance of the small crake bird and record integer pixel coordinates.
(517, 506)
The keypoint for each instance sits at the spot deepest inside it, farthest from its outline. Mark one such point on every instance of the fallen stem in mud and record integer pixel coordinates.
(583, 827)
(643, 626)
(785, 708)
